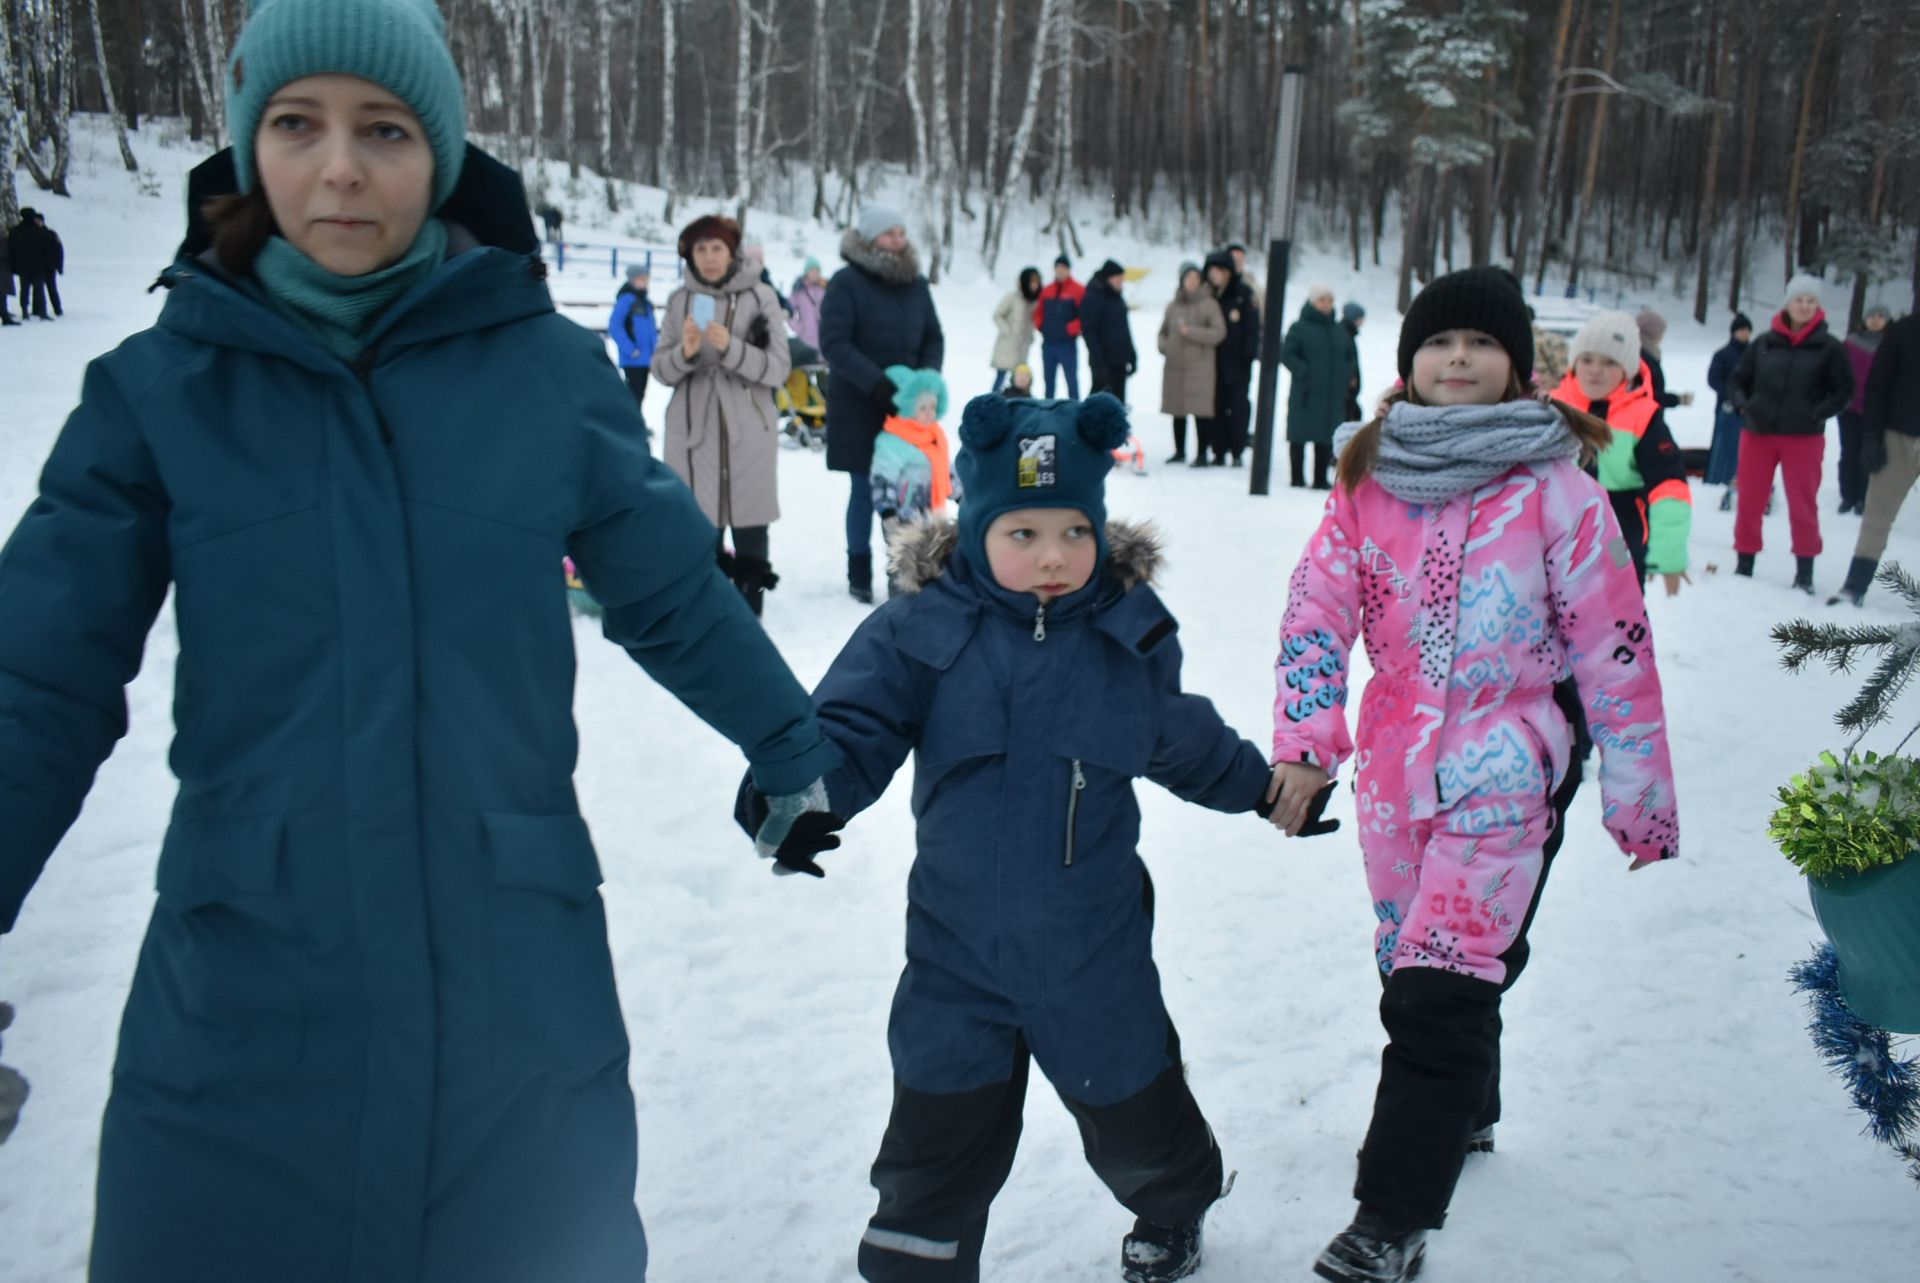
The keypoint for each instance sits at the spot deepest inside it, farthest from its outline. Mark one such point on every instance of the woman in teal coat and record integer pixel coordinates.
(1320, 358)
(373, 1033)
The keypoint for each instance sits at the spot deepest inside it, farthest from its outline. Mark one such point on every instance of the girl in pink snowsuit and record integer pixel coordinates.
(1483, 567)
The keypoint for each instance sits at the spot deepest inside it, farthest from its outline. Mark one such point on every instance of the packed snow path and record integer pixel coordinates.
(1667, 1118)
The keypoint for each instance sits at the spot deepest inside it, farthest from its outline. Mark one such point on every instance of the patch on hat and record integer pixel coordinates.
(1039, 462)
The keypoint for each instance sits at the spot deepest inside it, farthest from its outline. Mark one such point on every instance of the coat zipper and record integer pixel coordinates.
(1040, 623)
(363, 367)
(1073, 808)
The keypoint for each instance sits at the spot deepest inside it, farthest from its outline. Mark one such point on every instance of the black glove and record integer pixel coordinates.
(810, 833)
(884, 392)
(757, 332)
(1873, 450)
(1312, 826)
(13, 1088)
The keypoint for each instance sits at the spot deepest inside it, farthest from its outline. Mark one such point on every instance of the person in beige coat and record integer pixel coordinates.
(1013, 323)
(1191, 330)
(723, 349)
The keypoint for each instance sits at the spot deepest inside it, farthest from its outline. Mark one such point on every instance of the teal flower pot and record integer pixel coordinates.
(1873, 920)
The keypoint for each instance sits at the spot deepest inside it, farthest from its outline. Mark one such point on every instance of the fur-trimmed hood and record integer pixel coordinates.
(918, 553)
(902, 268)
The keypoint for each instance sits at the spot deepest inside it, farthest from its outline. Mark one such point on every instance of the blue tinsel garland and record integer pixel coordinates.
(1885, 1089)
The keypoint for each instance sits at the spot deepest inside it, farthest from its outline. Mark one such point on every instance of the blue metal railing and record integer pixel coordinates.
(659, 260)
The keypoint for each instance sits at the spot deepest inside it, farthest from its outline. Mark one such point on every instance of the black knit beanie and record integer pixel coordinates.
(1740, 322)
(1488, 299)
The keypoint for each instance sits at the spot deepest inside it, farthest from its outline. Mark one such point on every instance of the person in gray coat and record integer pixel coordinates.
(719, 354)
(1192, 328)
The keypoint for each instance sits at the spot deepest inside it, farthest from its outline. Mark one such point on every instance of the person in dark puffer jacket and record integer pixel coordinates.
(1034, 674)
(1103, 324)
(1791, 380)
(878, 311)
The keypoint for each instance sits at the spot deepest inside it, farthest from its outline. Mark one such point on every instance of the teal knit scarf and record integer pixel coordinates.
(342, 310)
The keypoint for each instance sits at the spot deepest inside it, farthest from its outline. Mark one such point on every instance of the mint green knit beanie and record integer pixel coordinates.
(400, 45)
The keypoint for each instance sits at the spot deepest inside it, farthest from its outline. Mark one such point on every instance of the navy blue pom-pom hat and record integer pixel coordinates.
(1017, 453)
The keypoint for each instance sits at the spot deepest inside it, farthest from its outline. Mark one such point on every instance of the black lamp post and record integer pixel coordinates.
(1286, 157)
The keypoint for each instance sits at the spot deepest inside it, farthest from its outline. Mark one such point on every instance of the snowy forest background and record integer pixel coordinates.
(1723, 143)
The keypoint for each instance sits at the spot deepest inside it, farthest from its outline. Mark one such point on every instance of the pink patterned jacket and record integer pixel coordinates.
(1471, 611)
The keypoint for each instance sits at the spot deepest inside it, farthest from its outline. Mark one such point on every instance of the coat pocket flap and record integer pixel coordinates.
(550, 853)
(216, 861)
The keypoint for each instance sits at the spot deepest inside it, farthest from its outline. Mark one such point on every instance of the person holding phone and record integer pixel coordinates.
(717, 352)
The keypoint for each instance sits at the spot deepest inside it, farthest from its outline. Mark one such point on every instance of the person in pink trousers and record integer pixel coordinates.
(1484, 568)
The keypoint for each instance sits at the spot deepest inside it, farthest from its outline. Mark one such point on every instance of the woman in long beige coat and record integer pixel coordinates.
(721, 436)
(1192, 329)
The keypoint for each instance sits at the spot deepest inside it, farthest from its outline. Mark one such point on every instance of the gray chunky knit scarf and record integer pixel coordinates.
(1430, 453)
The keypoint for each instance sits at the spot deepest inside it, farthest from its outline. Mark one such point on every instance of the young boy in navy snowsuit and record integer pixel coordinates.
(1034, 673)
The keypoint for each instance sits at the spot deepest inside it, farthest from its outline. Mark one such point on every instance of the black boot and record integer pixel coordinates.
(755, 578)
(1803, 574)
(1481, 1142)
(860, 577)
(1155, 1253)
(1373, 1250)
(1860, 574)
(1744, 566)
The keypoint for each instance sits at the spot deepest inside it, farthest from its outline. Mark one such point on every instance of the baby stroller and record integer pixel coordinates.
(802, 400)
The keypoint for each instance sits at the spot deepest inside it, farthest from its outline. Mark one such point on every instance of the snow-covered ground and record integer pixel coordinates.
(1667, 1118)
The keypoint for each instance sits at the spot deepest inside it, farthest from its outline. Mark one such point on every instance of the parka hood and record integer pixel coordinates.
(918, 553)
(902, 268)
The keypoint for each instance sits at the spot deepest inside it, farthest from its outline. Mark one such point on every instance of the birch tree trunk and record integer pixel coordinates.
(106, 90)
(914, 110)
(1022, 132)
(537, 49)
(191, 35)
(819, 137)
(569, 134)
(215, 13)
(665, 167)
(9, 124)
(1059, 211)
(942, 135)
(603, 96)
(863, 102)
(990, 163)
(965, 175)
(742, 106)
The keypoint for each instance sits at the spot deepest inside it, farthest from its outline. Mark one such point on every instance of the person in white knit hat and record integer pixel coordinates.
(1642, 469)
(1792, 379)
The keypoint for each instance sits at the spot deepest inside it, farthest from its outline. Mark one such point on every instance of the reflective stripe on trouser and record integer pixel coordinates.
(945, 1157)
(1886, 491)
(1440, 1072)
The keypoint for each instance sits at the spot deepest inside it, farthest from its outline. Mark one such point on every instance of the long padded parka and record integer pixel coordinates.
(373, 1033)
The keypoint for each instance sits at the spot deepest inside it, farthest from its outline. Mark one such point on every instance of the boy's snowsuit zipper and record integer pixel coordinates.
(1040, 623)
(1073, 807)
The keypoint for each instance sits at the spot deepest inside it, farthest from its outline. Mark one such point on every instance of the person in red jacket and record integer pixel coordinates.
(1057, 316)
